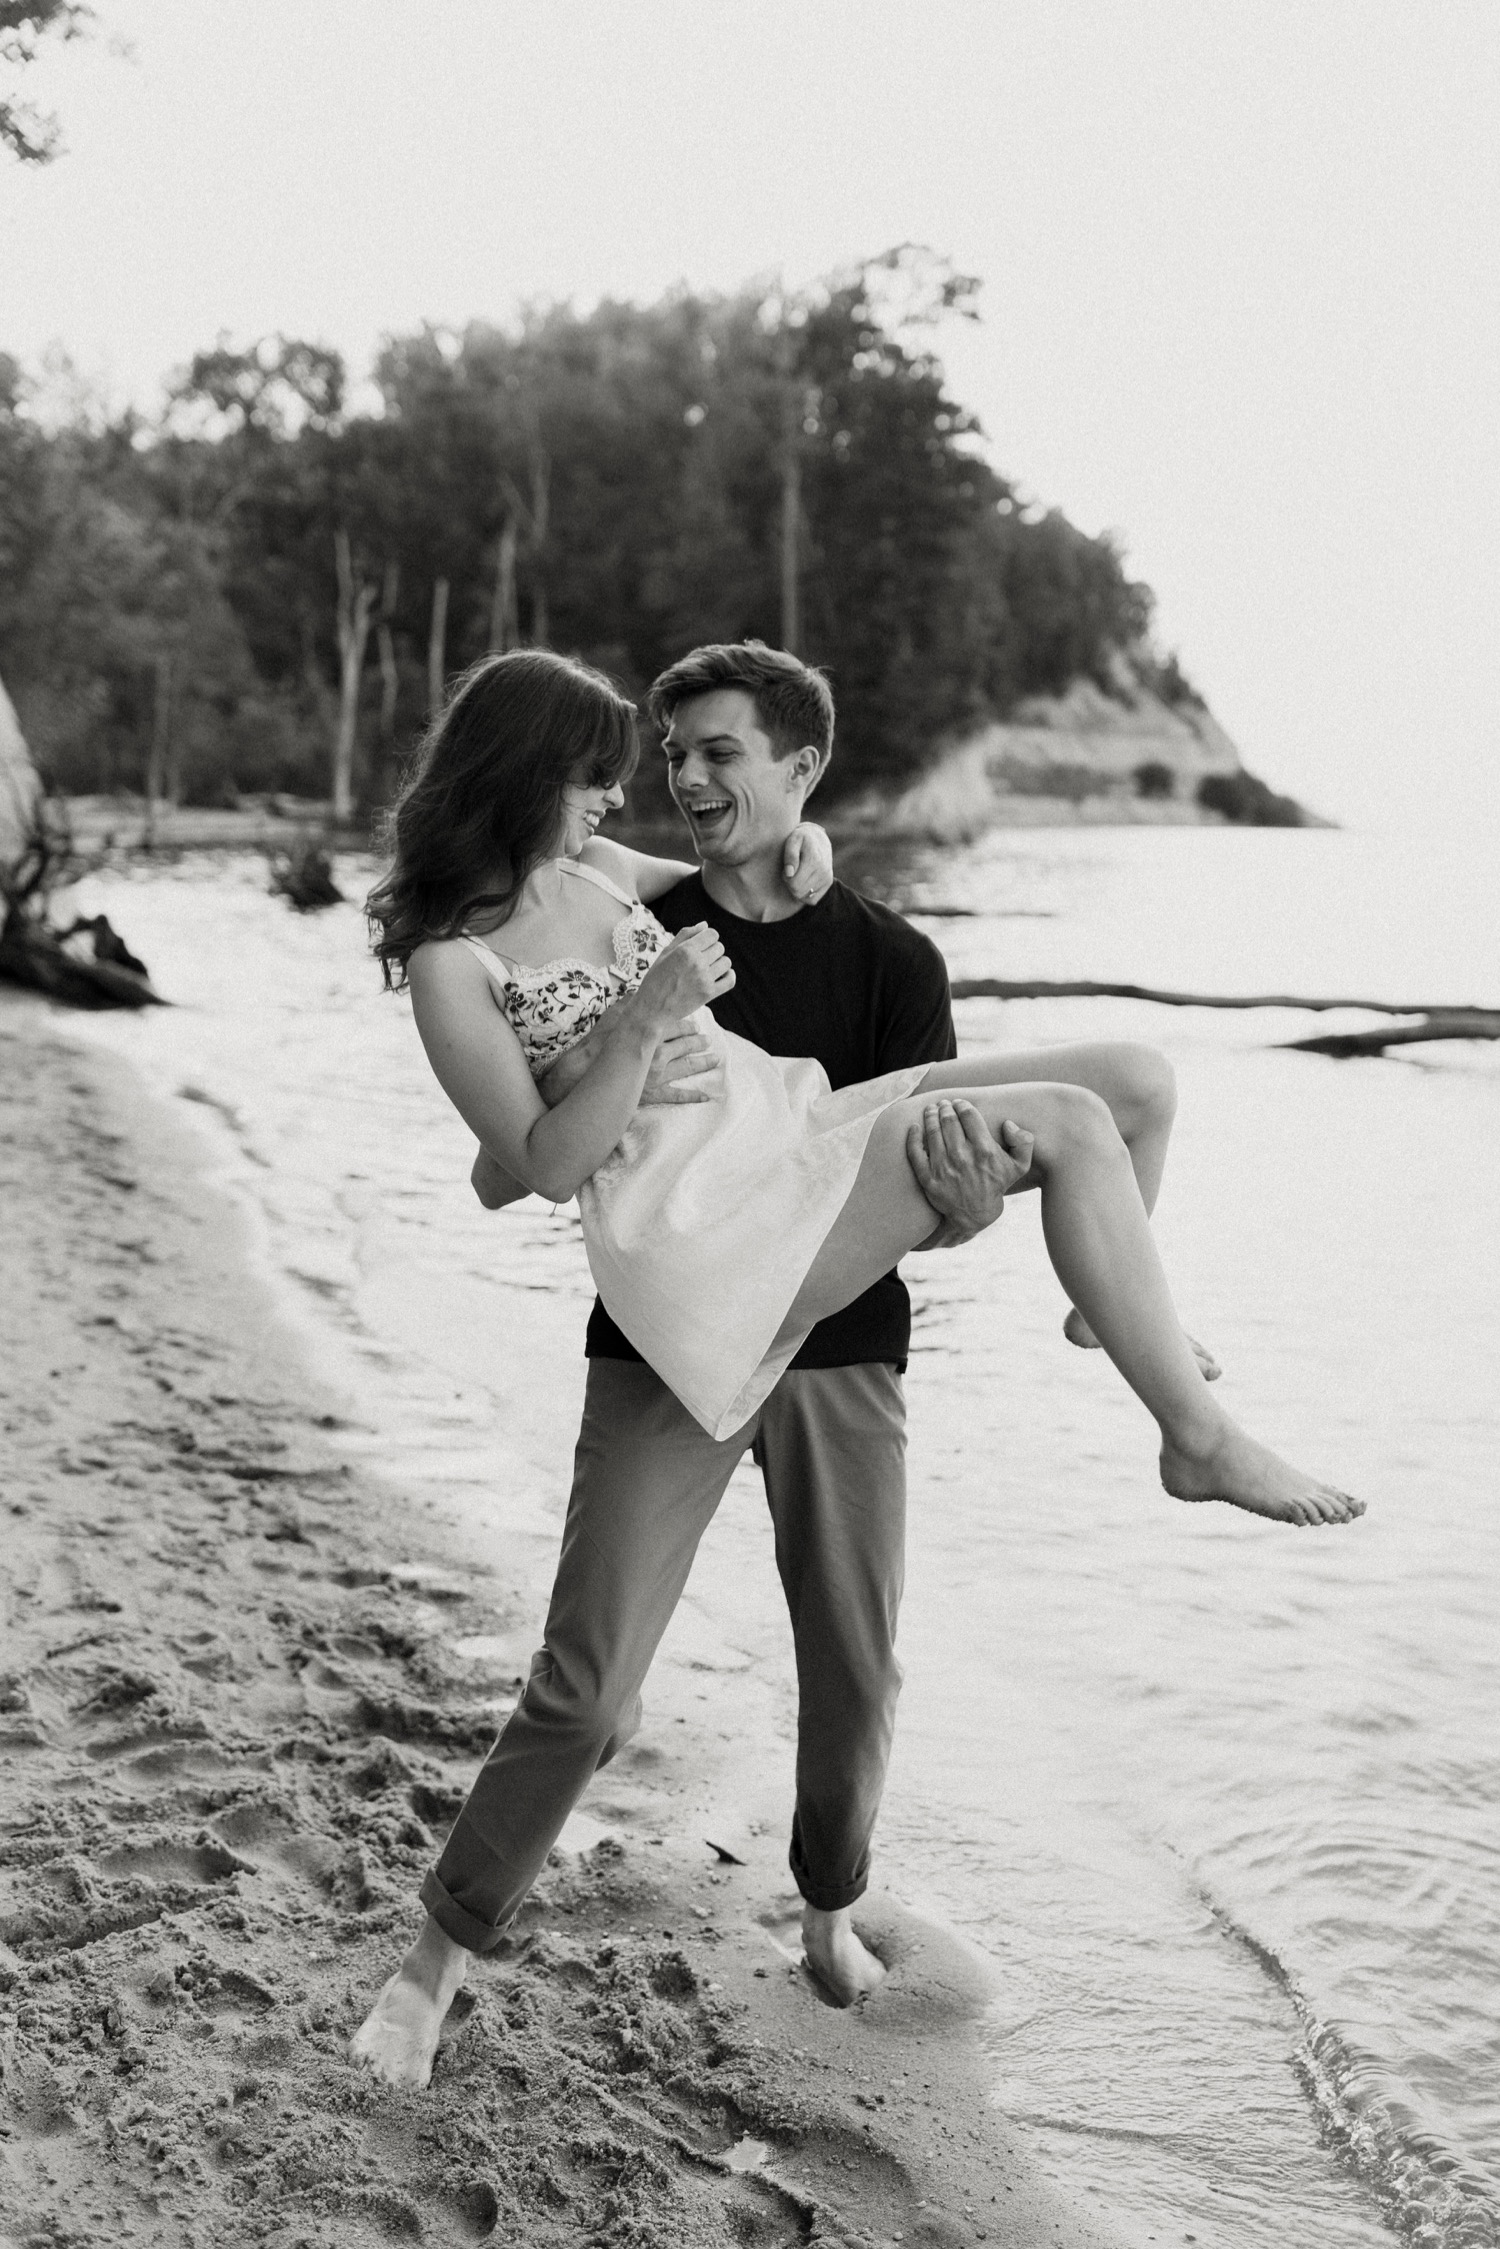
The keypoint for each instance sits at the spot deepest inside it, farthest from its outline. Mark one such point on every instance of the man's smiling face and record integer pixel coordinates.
(736, 795)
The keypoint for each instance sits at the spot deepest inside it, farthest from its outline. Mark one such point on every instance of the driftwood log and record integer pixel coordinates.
(34, 955)
(1442, 1021)
(42, 859)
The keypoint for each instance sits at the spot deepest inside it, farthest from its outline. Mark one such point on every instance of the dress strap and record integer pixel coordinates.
(492, 961)
(592, 874)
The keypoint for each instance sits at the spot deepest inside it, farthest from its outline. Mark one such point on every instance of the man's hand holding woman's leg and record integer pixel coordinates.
(963, 1169)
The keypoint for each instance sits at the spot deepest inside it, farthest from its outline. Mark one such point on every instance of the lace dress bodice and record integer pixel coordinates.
(554, 1006)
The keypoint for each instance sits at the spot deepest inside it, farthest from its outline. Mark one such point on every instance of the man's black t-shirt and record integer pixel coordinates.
(857, 988)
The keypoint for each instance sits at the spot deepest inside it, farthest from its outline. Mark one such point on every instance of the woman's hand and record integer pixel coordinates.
(692, 970)
(807, 862)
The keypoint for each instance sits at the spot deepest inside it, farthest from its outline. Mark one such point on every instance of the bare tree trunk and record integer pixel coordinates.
(356, 602)
(437, 635)
(541, 487)
(791, 541)
(158, 759)
(318, 693)
(505, 623)
(174, 742)
(390, 678)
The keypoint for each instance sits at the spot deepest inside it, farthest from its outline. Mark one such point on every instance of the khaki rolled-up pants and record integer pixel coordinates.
(831, 1445)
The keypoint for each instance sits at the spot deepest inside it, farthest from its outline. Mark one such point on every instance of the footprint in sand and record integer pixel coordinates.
(163, 1864)
(272, 1840)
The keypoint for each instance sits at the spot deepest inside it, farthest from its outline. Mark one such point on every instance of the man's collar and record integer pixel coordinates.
(730, 901)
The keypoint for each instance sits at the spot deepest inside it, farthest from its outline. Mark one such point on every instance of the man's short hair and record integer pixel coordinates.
(793, 701)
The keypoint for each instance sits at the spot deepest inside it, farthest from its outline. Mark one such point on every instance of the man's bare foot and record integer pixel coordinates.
(399, 2036)
(1078, 1331)
(843, 1966)
(1233, 1467)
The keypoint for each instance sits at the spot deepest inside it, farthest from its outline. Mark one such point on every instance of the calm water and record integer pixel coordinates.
(1219, 1799)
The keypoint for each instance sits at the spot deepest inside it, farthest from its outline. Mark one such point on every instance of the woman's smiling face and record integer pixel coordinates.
(584, 804)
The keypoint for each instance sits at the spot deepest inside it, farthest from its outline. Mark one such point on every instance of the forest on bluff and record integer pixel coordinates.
(264, 586)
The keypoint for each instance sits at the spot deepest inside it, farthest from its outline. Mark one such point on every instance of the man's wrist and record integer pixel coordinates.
(951, 1233)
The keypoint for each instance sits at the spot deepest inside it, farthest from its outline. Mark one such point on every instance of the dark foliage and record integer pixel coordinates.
(619, 485)
(303, 875)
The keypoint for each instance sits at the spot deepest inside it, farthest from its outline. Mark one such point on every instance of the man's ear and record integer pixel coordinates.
(804, 768)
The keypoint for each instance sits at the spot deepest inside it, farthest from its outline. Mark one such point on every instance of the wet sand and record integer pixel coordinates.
(234, 1723)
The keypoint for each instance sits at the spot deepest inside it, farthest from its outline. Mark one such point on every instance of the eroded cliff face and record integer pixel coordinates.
(1078, 755)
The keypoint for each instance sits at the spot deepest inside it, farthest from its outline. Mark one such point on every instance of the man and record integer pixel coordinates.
(748, 734)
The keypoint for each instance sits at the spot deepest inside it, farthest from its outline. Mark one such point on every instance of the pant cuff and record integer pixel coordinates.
(820, 1896)
(464, 1928)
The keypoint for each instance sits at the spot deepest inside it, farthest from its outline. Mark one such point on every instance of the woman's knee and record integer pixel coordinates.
(1150, 1087)
(1073, 1120)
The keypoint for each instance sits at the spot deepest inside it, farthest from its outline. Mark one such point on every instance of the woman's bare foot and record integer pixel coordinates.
(1233, 1467)
(843, 1966)
(399, 2036)
(1078, 1331)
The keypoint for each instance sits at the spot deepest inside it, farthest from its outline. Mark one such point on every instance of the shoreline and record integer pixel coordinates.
(114, 826)
(245, 1688)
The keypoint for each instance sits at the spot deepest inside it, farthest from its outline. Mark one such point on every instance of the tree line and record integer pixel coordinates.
(265, 586)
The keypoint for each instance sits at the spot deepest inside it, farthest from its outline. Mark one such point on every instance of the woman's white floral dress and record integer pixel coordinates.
(703, 1223)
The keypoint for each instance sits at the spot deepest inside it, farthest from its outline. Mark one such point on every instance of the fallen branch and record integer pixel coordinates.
(1455, 1023)
(1001, 988)
(1433, 1022)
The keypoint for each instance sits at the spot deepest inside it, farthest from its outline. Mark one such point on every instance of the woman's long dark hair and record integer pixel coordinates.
(483, 795)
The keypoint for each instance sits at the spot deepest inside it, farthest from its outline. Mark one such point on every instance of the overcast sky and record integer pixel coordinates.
(1241, 302)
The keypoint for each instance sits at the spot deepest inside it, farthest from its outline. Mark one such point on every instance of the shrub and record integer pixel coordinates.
(1246, 801)
(1167, 679)
(1154, 779)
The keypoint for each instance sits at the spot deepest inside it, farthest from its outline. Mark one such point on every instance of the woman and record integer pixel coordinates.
(720, 1232)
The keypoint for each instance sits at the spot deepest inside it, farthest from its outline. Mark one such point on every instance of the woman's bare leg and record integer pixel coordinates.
(1136, 1084)
(1101, 1248)
(1139, 1088)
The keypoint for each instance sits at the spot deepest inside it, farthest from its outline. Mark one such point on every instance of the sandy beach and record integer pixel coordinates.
(235, 1723)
